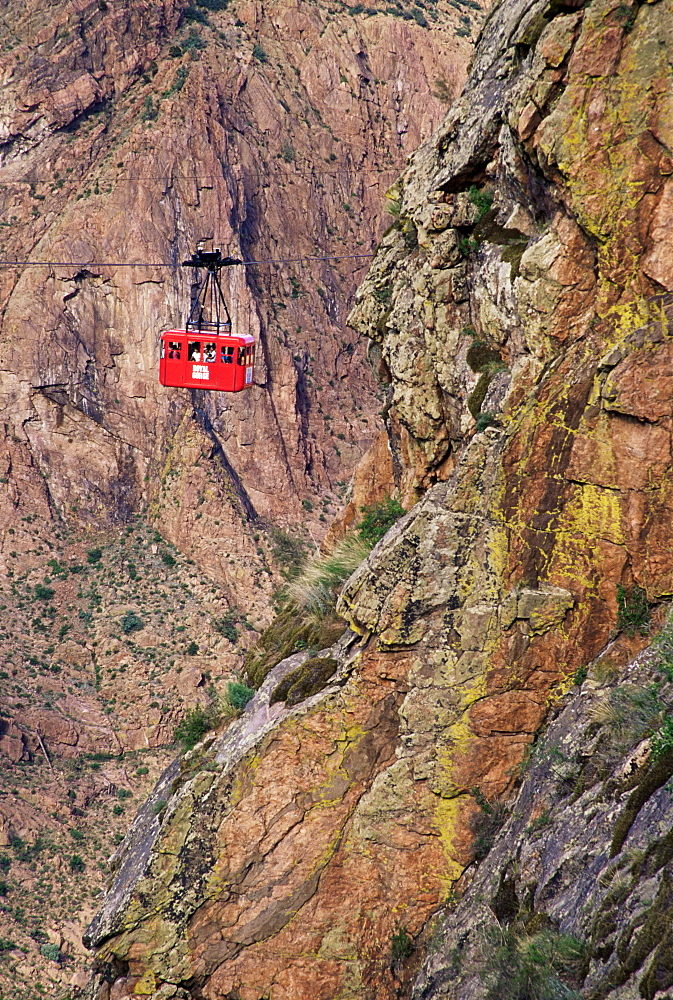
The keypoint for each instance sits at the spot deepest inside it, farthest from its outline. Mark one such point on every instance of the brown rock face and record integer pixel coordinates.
(127, 133)
(520, 304)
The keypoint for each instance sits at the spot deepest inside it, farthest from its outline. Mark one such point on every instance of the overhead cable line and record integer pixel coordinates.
(244, 263)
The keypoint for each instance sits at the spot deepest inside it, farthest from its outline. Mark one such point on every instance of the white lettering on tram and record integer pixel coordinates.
(200, 371)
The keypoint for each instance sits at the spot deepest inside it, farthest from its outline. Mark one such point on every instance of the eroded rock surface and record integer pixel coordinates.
(519, 309)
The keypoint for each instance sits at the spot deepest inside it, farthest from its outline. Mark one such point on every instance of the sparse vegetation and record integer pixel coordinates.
(538, 966)
(259, 54)
(401, 945)
(238, 695)
(150, 112)
(131, 622)
(633, 611)
(663, 647)
(486, 824)
(307, 617)
(483, 200)
(226, 626)
(466, 246)
(194, 726)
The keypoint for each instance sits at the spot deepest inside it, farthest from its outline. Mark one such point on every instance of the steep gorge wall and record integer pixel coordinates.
(129, 134)
(128, 131)
(529, 361)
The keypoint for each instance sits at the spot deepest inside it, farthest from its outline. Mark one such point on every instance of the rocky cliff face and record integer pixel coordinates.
(518, 308)
(127, 133)
(127, 136)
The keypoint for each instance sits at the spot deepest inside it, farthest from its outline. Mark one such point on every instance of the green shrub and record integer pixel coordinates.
(149, 113)
(192, 648)
(192, 13)
(662, 743)
(401, 946)
(378, 519)
(131, 622)
(117, 810)
(50, 951)
(57, 569)
(633, 611)
(193, 41)
(76, 863)
(196, 723)
(287, 151)
(4, 887)
(5, 863)
(6, 945)
(124, 793)
(93, 556)
(384, 294)
(259, 54)
(466, 246)
(158, 806)
(226, 626)
(484, 420)
(42, 593)
(175, 52)
(238, 695)
(168, 559)
(482, 199)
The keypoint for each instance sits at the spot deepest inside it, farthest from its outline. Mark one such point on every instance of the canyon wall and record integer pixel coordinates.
(519, 312)
(145, 529)
(130, 133)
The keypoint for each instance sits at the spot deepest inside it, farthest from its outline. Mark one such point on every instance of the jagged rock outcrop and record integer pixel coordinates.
(575, 890)
(520, 304)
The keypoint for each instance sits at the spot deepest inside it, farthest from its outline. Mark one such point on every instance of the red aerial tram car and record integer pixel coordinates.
(207, 355)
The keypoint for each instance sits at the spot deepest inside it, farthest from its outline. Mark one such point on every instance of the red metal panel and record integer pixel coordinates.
(206, 361)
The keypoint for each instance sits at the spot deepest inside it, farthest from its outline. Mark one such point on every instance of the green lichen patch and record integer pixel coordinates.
(311, 677)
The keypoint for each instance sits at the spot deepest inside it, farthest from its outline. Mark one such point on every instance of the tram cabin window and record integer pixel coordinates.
(209, 353)
(194, 351)
(174, 349)
(241, 355)
(227, 354)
